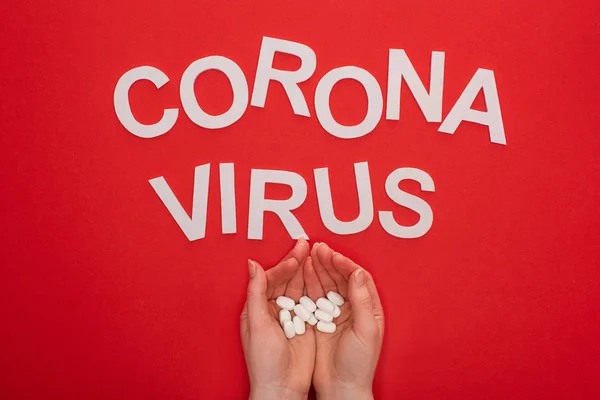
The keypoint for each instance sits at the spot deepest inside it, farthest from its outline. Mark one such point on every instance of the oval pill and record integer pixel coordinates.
(284, 315)
(289, 329)
(299, 326)
(308, 304)
(323, 316)
(335, 298)
(325, 305)
(327, 327)
(312, 320)
(336, 311)
(301, 312)
(285, 302)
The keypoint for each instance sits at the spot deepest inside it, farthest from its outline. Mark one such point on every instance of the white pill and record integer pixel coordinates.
(327, 327)
(285, 302)
(301, 312)
(335, 298)
(323, 316)
(288, 329)
(284, 315)
(299, 326)
(325, 305)
(312, 320)
(336, 311)
(308, 303)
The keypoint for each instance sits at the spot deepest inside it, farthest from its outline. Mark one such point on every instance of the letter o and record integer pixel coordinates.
(238, 83)
(374, 105)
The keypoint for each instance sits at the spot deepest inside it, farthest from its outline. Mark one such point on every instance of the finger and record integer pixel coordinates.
(277, 282)
(346, 267)
(295, 287)
(377, 307)
(326, 281)
(325, 255)
(361, 301)
(279, 275)
(314, 290)
(343, 265)
(299, 252)
(244, 320)
(256, 300)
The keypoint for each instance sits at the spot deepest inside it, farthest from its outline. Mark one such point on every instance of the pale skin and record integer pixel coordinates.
(339, 365)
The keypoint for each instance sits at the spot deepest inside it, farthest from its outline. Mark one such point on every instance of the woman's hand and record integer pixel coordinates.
(278, 368)
(346, 360)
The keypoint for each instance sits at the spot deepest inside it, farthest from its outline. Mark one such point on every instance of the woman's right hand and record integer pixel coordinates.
(346, 360)
(278, 368)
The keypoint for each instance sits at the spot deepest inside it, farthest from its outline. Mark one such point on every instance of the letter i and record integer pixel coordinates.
(227, 185)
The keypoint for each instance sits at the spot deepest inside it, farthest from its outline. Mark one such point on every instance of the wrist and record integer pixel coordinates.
(275, 393)
(345, 392)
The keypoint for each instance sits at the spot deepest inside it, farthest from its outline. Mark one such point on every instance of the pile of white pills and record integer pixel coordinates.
(320, 313)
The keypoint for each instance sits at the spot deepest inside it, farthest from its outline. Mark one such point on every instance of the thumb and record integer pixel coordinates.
(365, 323)
(256, 300)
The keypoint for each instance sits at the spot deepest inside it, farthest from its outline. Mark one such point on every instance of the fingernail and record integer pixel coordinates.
(316, 244)
(359, 278)
(301, 241)
(251, 269)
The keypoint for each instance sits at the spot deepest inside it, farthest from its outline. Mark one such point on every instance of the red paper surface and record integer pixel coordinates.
(103, 297)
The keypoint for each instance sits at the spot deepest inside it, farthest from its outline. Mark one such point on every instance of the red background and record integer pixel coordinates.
(103, 297)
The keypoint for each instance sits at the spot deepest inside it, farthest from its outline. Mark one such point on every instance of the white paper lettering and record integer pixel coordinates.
(420, 206)
(288, 79)
(238, 83)
(194, 228)
(430, 103)
(283, 208)
(365, 201)
(492, 118)
(123, 108)
(374, 107)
